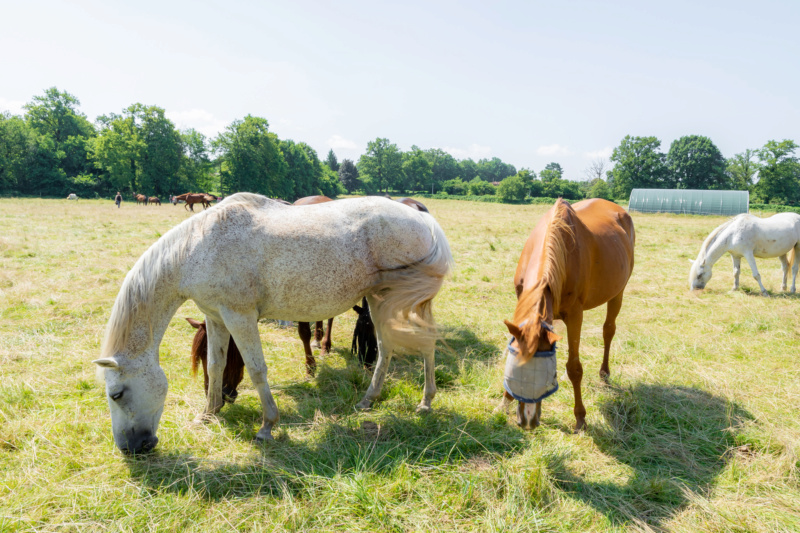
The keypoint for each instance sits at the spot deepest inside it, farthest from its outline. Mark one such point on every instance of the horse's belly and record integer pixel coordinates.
(773, 247)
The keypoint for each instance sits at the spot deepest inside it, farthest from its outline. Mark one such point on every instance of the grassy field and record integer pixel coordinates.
(694, 433)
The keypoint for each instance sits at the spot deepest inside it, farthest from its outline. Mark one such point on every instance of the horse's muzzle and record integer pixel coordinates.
(528, 414)
(140, 444)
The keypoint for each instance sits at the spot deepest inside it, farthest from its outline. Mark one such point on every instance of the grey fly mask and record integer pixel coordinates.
(534, 380)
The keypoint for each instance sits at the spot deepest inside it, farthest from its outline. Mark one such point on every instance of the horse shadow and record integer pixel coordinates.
(675, 440)
(347, 446)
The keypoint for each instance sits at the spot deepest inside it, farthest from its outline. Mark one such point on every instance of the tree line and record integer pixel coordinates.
(54, 149)
(771, 174)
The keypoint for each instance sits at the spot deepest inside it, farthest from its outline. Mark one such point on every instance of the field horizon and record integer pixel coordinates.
(694, 431)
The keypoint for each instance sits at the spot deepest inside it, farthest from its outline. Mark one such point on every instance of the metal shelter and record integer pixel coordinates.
(689, 201)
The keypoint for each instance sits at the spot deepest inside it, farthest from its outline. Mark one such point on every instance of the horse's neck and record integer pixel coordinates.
(717, 247)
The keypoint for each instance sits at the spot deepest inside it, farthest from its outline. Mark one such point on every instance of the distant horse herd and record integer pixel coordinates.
(243, 260)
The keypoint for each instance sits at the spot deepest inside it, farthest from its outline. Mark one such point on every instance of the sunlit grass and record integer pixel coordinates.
(696, 430)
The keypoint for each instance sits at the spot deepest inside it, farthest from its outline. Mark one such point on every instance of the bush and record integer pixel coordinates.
(478, 187)
(456, 186)
(512, 189)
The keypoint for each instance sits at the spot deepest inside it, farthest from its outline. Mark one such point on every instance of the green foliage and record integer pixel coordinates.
(417, 171)
(638, 164)
(779, 173)
(252, 160)
(331, 161)
(456, 186)
(600, 189)
(494, 169)
(348, 175)
(478, 187)
(512, 189)
(742, 168)
(694, 162)
(382, 166)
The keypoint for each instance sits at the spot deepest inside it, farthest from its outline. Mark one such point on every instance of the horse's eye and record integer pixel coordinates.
(117, 396)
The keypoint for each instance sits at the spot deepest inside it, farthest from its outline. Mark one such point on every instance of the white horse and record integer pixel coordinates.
(251, 257)
(749, 236)
(72, 196)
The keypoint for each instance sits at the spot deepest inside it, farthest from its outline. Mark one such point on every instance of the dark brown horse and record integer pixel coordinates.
(154, 200)
(576, 258)
(189, 199)
(364, 341)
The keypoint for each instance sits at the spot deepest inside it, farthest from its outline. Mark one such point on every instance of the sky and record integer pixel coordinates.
(529, 82)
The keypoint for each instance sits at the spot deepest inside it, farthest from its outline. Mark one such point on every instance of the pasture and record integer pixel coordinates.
(695, 431)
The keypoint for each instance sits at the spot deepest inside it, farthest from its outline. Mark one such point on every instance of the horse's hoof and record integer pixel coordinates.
(202, 419)
(364, 405)
(580, 427)
(423, 409)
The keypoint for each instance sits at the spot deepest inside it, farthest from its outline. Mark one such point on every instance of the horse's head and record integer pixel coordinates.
(699, 274)
(136, 391)
(530, 374)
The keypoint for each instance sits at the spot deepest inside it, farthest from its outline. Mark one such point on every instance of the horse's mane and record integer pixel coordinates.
(715, 233)
(138, 290)
(558, 236)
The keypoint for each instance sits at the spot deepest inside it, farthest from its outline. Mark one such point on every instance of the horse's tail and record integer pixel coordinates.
(199, 349)
(402, 301)
(790, 255)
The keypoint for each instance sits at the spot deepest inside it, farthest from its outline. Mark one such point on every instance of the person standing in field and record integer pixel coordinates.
(118, 199)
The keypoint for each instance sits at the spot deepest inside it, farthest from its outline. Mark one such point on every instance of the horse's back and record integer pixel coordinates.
(338, 248)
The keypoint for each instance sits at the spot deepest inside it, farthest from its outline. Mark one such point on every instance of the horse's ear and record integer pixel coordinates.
(106, 363)
(195, 324)
(513, 329)
(553, 337)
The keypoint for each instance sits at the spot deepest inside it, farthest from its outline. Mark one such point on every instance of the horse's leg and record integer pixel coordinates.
(751, 260)
(385, 350)
(218, 336)
(326, 340)
(795, 265)
(244, 329)
(737, 263)
(574, 321)
(317, 335)
(785, 270)
(609, 329)
(304, 330)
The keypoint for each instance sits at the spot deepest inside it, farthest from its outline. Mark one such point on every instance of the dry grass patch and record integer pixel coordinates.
(696, 430)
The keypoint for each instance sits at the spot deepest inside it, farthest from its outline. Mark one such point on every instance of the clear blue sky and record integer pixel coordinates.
(529, 82)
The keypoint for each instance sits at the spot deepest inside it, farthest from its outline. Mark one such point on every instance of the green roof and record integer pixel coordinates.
(689, 201)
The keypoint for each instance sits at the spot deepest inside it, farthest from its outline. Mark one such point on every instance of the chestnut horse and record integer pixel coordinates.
(141, 199)
(154, 200)
(576, 258)
(189, 199)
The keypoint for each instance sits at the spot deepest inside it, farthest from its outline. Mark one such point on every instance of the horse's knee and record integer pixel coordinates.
(574, 370)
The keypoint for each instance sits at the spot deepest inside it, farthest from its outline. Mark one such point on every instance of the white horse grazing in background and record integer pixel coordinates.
(72, 196)
(251, 257)
(749, 236)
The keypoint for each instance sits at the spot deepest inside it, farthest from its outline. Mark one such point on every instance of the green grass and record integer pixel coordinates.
(696, 431)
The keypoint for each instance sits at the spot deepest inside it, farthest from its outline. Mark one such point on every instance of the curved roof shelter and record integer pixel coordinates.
(689, 201)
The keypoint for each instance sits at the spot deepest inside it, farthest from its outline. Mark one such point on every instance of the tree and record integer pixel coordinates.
(252, 160)
(742, 168)
(468, 169)
(596, 170)
(552, 172)
(478, 187)
(444, 167)
(348, 175)
(512, 189)
(66, 132)
(638, 163)
(382, 166)
(696, 163)
(494, 169)
(417, 170)
(599, 189)
(779, 174)
(299, 170)
(331, 161)
(196, 167)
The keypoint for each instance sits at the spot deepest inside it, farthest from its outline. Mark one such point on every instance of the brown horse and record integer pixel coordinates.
(154, 200)
(234, 369)
(576, 258)
(189, 199)
(141, 199)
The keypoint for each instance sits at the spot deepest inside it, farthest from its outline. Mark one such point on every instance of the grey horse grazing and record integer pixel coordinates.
(250, 257)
